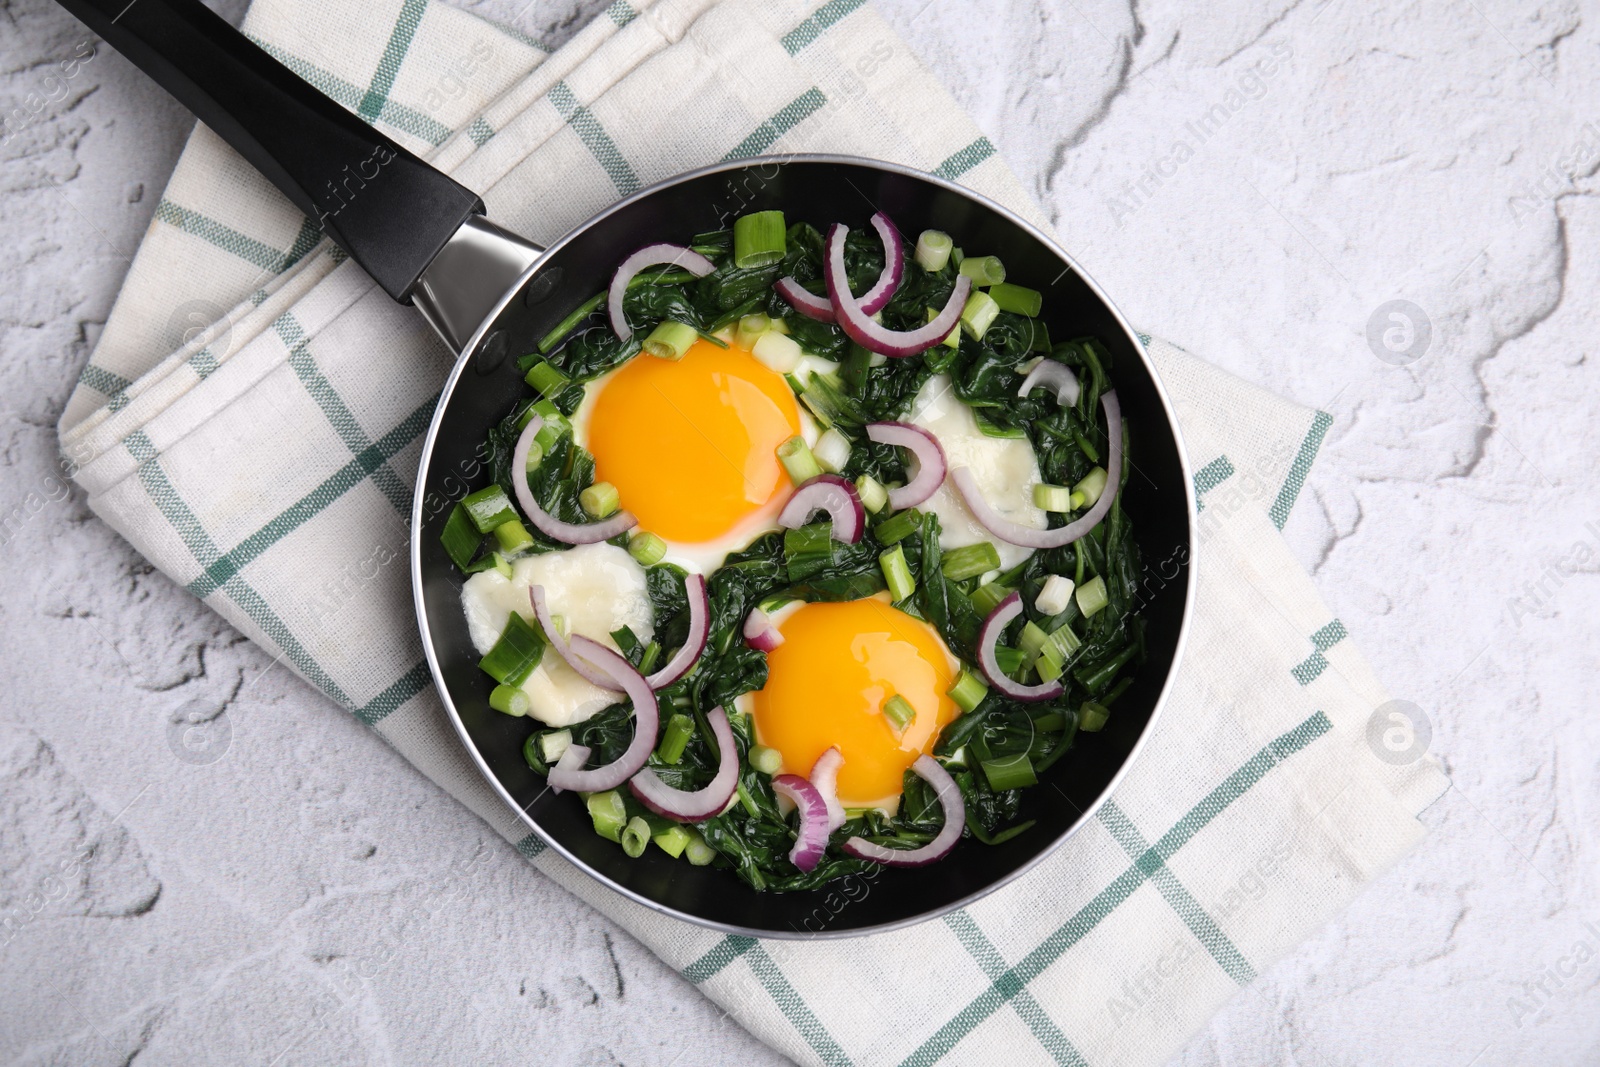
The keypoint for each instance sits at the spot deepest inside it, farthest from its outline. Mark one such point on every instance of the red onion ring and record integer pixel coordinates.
(695, 805)
(571, 533)
(759, 633)
(875, 337)
(812, 837)
(955, 820)
(1027, 536)
(924, 448)
(1057, 376)
(804, 300)
(541, 611)
(694, 586)
(825, 778)
(989, 636)
(873, 300)
(830, 493)
(649, 256)
(568, 773)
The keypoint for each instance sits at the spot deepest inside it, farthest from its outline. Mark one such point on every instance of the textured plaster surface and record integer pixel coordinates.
(289, 890)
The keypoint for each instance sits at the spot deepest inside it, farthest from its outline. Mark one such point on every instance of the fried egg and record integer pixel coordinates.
(691, 446)
(596, 588)
(1005, 468)
(828, 681)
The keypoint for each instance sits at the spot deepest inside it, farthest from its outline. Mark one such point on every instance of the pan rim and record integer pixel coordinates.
(464, 358)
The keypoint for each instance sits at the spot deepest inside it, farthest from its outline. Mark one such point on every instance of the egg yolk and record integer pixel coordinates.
(691, 444)
(827, 684)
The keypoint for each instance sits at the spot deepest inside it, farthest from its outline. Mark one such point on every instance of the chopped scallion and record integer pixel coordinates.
(647, 662)
(1054, 595)
(872, 493)
(1017, 299)
(751, 327)
(898, 527)
(675, 738)
(535, 455)
(759, 239)
(1009, 772)
(1092, 717)
(509, 699)
(968, 691)
(778, 351)
(1011, 660)
(969, 561)
(1048, 663)
(502, 566)
(672, 840)
(897, 573)
(546, 379)
(460, 537)
(488, 508)
(933, 250)
(1092, 485)
(766, 760)
(832, 450)
(1032, 639)
(554, 745)
(796, 457)
(898, 710)
(983, 270)
(609, 813)
(1091, 596)
(600, 499)
(635, 837)
(670, 339)
(979, 314)
(987, 597)
(646, 548)
(512, 536)
(697, 851)
(515, 653)
(1047, 497)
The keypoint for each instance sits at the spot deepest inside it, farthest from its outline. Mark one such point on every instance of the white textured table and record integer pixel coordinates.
(1253, 184)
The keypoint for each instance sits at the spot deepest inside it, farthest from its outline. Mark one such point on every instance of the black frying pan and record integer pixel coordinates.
(491, 294)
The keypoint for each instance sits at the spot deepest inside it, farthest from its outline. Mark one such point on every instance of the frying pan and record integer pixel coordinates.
(491, 295)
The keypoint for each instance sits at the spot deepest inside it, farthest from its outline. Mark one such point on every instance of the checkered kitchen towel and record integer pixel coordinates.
(254, 399)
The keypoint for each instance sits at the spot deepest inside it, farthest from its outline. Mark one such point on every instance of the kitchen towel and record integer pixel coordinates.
(252, 416)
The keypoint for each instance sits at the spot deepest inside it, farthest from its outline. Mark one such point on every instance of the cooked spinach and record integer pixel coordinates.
(753, 837)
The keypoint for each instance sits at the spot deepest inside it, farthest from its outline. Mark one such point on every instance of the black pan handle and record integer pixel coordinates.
(387, 208)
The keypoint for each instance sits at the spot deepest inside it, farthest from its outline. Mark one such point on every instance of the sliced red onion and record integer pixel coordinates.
(759, 633)
(804, 300)
(1057, 376)
(989, 636)
(571, 533)
(955, 820)
(877, 298)
(541, 611)
(694, 586)
(873, 300)
(694, 805)
(812, 837)
(830, 493)
(568, 773)
(875, 337)
(927, 475)
(655, 255)
(1027, 536)
(825, 778)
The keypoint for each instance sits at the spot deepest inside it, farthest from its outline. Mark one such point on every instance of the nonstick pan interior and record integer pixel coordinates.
(485, 385)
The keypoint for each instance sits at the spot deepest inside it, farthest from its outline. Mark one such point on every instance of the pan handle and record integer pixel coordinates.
(387, 208)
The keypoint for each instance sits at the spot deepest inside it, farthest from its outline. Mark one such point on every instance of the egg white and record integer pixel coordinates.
(595, 588)
(701, 557)
(1005, 468)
